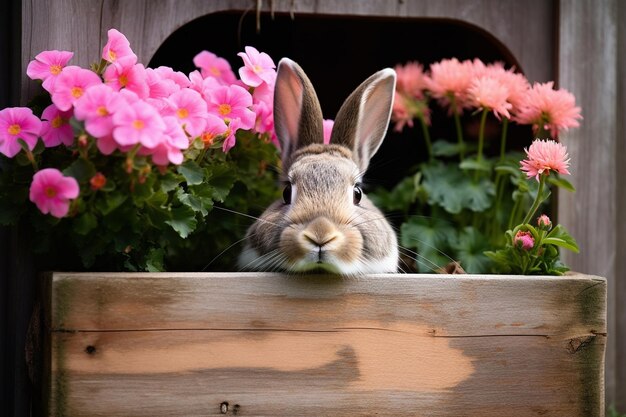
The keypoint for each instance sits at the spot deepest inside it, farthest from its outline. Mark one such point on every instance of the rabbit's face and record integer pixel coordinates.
(322, 201)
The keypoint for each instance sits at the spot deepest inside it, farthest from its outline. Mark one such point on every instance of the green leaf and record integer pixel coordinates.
(183, 221)
(81, 169)
(110, 201)
(471, 164)
(197, 203)
(222, 178)
(154, 260)
(169, 182)
(192, 172)
(478, 196)
(431, 238)
(561, 183)
(566, 242)
(401, 197)
(39, 147)
(445, 148)
(470, 247)
(85, 223)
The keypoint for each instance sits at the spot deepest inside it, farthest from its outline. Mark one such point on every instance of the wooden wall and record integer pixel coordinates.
(579, 43)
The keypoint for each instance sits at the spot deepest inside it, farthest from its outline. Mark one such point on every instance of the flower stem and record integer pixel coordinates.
(481, 140)
(457, 124)
(537, 202)
(426, 133)
(31, 159)
(505, 128)
(514, 211)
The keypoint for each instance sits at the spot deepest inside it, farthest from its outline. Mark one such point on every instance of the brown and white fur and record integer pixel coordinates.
(322, 224)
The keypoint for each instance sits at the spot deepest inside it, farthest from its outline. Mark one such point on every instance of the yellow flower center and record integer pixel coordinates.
(207, 138)
(215, 71)
(138, 124)
(76, 92)
(112, 55)
(57, 122)
(50, 192)
(14, 129)
(102, 111)
(182, 113)
(257, 68)
(225, 109)
(55, 69)
(123, 80)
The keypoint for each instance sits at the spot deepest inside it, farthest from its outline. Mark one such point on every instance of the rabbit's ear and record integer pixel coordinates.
(297, 112)
(362, 120)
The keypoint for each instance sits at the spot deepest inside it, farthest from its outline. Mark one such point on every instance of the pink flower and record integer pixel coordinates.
(215, 127)
(411, 80)
(159, 86)
(124, 74)
(258, 67)
(231, 103)
(491, 94)
(71, 85)
(136, 123)
(550, 110)
(515, 82)
(117, 47)
(18, 123)
(56, 128)
(327, 126)
(524, 240)
(51, 192)
(400, 114)
(174, 140)
(214, 66)
(230, 134)
(544, 222)
(450, 79)
(96, 108)
(189, 109)
(47, 66)
(544, 156)
(177, 77)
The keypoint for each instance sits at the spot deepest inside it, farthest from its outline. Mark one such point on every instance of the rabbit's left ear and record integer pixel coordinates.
(362, 120)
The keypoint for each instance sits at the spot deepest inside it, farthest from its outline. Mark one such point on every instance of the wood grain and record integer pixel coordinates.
(269, 344)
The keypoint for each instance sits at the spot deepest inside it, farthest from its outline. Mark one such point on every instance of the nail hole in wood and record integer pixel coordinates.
(90, 350)
(236, 409)
(224, 407)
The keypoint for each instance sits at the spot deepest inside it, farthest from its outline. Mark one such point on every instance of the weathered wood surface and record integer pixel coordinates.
(269, 344)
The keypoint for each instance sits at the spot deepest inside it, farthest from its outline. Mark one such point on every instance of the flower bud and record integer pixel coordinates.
(524, 240)
(544, 222)
(98, 181)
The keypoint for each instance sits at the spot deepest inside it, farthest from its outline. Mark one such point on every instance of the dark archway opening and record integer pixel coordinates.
(338, 52)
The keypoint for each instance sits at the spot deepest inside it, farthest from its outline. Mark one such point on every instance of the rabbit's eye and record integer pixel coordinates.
(287, 194)
(358, 193)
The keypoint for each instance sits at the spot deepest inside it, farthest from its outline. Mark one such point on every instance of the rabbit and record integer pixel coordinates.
(325, 223)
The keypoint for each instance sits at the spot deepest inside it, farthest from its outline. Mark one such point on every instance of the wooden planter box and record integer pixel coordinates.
(200, 344)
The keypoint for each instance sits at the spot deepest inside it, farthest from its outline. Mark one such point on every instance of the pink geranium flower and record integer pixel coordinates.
(215, 127)
(230, 134)
(96, 107)
(18, 123)
(167, 73)
(47, 66)
(125, 74)
(174, 141)
(544, 156)
(327, 126)
(117, 47)
(55, 127)
(258, 67)
(51, 191)
(214, 66)
(159, 86)
(136, 123)
(491, 94)
(548, 109)
(189, 109)
(231, 103)
(524, 240)
(450, 79)
(411, 80)
(71, 85)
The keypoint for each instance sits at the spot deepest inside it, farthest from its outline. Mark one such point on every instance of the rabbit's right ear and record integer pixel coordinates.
(297, 112)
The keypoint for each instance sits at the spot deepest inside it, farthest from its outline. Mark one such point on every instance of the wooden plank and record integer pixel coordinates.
(587, 48)
(269, 344)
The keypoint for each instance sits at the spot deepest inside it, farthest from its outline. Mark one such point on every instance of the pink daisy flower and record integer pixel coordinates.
(231, 103)
(214, 66)
(51, 191)
(215, 127)
(71, 85)
(124, 74)
(450, 78)
(411, 80)
(189, 109)
(18, 123)
(55, 127)
(258, 67)
(515, 82)
(96, 107)
(524, 240)
(136, 123)
(327, 126)
(117, 47)
(544, 156)
(400, 114)
(548, 109)
(491, 94)
(47, 66)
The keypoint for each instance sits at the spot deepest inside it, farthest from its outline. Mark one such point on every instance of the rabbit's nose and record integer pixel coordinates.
(320, 232)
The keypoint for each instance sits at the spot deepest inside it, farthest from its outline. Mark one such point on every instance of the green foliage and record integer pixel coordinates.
(144, 218)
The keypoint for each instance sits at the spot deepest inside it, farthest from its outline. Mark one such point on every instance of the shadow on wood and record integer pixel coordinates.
(269, 344)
